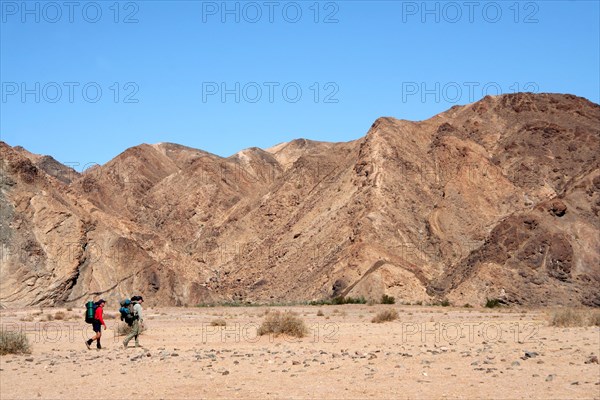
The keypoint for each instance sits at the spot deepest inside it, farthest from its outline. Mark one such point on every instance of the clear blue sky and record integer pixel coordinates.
(367, 58)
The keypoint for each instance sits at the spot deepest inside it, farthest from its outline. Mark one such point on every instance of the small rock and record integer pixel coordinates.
(29, 359)
(174, 355)
(549, 378)
(225, 373)
(529, 354)
(592, 360)
(515, 364)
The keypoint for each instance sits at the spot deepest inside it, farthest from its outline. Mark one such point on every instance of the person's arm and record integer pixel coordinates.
(99, 316)
(138, 309)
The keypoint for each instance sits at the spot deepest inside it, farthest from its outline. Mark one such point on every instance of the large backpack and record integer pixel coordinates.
(90, 312)
(126, 312)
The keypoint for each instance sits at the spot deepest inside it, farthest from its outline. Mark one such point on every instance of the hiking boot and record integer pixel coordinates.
(87, 345)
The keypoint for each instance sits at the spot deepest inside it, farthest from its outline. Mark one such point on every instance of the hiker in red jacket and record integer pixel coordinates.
(97, 325)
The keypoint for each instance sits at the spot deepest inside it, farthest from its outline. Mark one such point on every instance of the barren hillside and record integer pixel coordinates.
(496, 199)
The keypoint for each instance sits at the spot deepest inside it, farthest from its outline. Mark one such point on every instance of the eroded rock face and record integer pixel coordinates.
(496, 199)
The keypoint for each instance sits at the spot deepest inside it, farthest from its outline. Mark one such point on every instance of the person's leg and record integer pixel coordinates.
(99, 335)
(89, 342)
(137, 333)
(131, 334)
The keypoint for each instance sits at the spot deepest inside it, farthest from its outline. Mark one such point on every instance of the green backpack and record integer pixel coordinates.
(90, 312)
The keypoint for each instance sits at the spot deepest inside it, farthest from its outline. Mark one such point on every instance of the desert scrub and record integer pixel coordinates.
(320, 313)
(59, 315)
(595, 318)
(124, 329)
(570, 317)
(492, 303)
(385, 316)
(338, 301)
(286, 323)
(385, 299)
(218, 322)
(14, 343)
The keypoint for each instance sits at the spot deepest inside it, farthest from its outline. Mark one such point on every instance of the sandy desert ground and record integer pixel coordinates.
(428, 353)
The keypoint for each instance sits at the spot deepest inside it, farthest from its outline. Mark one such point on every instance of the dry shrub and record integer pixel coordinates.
(594, 318)
(49, 317)
(218, 322)
(570, 317)
(385, 315)
(278, 323)
(14, 343)
(27, 318)
(123, 329)
(320, 313)
(59, 315)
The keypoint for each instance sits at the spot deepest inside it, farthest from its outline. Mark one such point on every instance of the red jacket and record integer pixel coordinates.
(98, 315)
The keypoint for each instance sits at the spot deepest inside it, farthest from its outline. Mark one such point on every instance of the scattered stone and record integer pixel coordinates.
(549, 378)
(529, 354)
(225, 373)
(592, 360)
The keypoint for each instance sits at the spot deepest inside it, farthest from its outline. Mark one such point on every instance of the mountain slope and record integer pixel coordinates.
(495, 199)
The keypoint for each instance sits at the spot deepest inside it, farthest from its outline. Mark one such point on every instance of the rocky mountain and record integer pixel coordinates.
(499, 199)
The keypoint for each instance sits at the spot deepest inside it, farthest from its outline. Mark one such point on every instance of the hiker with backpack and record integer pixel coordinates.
(137, 321)
(97, 323)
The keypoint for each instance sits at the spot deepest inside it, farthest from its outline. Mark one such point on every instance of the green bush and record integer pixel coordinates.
(338, 301)
(385, 299)
(492, 303)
